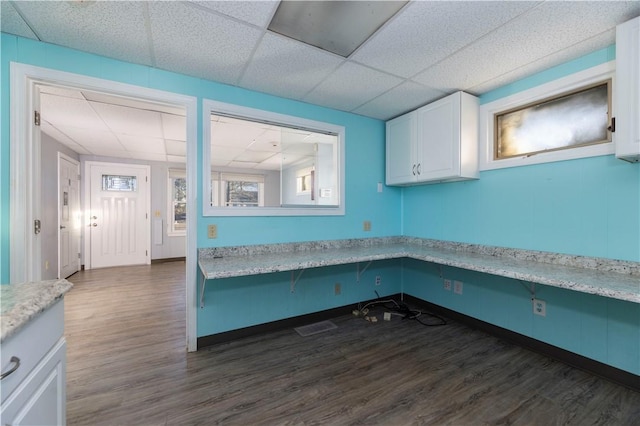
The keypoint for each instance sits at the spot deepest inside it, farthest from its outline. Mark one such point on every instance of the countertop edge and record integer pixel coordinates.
(27, 301)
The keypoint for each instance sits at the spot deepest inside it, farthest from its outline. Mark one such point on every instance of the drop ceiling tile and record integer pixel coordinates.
(12, 23)
(91, 138)
(545, 30)
(593, 44)
(64, 111)
(234, 135)
(112, 29)
(225, 153)
(425, 32)
(254, 156)
(243, 164)
(147, 156)
(254, 12)
(142, 144)
(403, 98)
(130, 121)
(176, 159)
(176, 147)
(174, 127)
(350, 86)
(105, 151)
(287, 68)
(195, 42)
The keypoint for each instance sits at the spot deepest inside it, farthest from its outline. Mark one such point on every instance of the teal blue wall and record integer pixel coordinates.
(364, 151)
(586, 207)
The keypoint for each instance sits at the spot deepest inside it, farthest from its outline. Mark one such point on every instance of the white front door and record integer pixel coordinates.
(119, 214)
(69, 219)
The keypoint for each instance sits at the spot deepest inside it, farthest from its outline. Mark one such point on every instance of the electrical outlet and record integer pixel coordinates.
(378, 280)
(457, 287)
(212, 231)
(447, 285)
(366, 225)
(539, 307)
(337, 289)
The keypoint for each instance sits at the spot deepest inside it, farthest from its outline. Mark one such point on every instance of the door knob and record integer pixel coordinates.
(94, 224)
(94, 217)
(63, 227)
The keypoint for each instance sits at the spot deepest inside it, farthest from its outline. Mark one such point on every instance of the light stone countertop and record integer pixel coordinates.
(20, 303)
(604, 277)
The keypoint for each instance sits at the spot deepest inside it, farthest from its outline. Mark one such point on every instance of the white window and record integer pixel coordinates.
(255, 158)
(237, 189)
(555, 121)
(177, 208)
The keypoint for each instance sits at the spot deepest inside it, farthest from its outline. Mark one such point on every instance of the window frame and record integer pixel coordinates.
(173, 174)
(570, 83)
(215, 107)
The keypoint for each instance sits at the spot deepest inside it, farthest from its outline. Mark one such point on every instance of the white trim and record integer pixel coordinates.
(574, 81)
(173, 173)
(23, 167)
(75, 162)
(209, 106)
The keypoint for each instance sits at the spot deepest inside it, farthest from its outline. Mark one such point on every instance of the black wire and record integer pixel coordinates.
(408, 313)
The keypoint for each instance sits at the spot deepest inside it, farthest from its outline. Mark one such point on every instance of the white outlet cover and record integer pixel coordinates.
(540, 307)
(457, 287)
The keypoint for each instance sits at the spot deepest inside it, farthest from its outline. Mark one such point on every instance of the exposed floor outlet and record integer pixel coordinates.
(378, 280)
(457, 287)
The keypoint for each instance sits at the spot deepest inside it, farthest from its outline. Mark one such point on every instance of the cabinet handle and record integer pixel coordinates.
(419, 169)
(14, 360)
(414, 169)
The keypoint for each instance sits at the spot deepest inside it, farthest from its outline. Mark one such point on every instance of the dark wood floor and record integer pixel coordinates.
(127, 365)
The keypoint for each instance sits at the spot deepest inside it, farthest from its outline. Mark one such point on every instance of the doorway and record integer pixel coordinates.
(69, 216)
(25, 160)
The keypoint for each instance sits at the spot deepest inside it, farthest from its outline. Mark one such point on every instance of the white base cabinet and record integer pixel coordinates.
(35, 393)
(627, 100)
(435, 143)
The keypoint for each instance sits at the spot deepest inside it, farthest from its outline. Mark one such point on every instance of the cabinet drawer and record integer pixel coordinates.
(30, 345)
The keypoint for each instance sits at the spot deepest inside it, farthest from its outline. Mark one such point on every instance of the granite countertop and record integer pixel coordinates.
(604, 277)
(20, 303)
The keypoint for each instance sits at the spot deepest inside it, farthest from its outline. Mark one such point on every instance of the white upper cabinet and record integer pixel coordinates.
(435, 143)
(627, 99)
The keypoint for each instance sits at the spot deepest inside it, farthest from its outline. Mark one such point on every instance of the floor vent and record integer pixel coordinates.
(315, 328)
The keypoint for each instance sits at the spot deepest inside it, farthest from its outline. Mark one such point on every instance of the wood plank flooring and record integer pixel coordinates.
(127, 365)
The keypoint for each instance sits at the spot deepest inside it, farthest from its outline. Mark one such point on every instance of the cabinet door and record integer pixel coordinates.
(401, 166)
(438, 127)
(627, 99)
(41, 397)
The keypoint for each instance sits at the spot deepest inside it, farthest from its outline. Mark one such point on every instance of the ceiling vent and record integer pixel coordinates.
(336, 26)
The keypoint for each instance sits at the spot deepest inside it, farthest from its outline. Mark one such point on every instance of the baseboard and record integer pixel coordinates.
(169, 259)
(594, 367)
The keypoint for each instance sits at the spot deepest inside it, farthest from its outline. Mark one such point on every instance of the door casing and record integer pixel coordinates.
(25, 250)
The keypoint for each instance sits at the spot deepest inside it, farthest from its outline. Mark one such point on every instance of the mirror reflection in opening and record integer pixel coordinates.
(260, 164)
